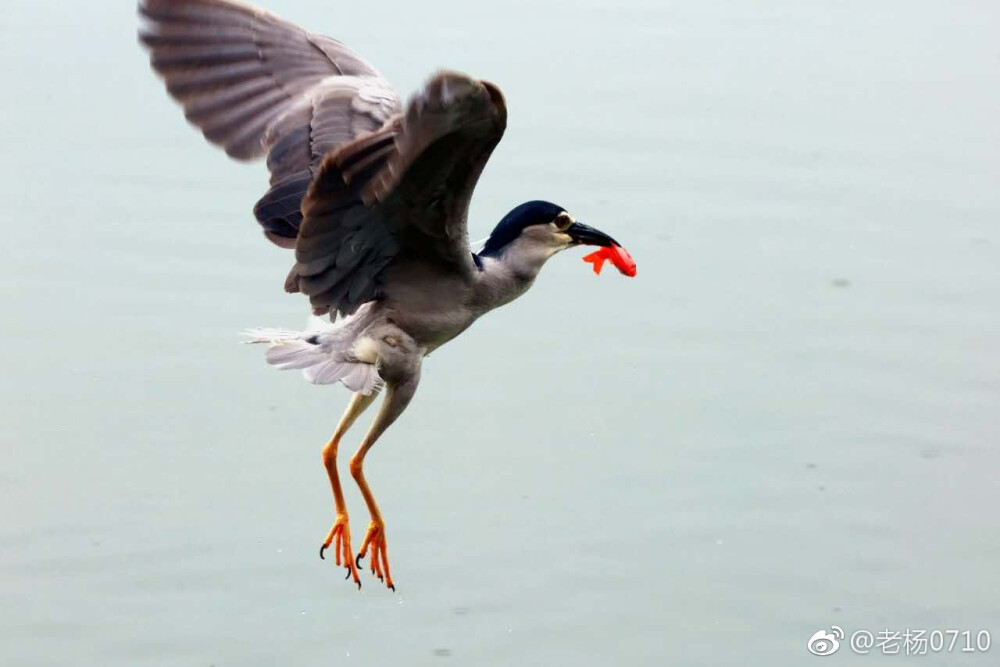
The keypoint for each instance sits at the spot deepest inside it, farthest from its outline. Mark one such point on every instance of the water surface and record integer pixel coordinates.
(788, 420)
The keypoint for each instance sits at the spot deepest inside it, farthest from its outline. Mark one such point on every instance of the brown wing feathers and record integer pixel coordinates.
(343, 245)
(330, 126)
(448, 134)
(404, 188)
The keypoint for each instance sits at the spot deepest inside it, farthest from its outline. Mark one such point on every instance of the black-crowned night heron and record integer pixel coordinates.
(372, 198)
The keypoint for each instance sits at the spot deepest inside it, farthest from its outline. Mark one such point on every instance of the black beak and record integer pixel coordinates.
(581, 233)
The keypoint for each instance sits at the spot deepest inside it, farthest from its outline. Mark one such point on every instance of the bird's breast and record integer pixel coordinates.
(433, 327)
(431, 309)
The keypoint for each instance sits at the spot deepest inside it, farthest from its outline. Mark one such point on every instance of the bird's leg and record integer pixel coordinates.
(397, 397)
(340, 533)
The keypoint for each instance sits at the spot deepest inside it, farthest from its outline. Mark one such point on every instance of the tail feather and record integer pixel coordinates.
(294, 354)
(265, 335)
(363, 378)
(321, 358)
(326, 372)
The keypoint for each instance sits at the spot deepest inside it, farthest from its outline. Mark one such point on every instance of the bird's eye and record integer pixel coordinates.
(563, 221)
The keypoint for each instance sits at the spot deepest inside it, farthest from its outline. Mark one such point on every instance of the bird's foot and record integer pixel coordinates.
(340, 537)
(375, 547)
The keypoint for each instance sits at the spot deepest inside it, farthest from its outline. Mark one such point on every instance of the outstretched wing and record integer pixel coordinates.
(256, 84)
(399, 195)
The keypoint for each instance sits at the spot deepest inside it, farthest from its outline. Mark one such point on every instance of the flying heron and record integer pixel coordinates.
(373, 198)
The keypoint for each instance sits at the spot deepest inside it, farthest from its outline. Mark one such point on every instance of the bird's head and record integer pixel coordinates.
(536, 230)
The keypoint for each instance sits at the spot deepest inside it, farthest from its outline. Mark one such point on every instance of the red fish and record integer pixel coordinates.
(619, 257)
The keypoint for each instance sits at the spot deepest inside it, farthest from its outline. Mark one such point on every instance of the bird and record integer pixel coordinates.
(371, 195)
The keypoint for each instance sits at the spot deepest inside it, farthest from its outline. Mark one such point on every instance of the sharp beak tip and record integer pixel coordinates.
(587, 235)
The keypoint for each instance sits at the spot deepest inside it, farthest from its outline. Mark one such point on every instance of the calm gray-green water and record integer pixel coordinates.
(789, 420)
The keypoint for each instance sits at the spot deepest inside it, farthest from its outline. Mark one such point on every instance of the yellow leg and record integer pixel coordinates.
(374, 541)
(397, 398)
(340, 533)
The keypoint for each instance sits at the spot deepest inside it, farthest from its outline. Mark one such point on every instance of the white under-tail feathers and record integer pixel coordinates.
(321, 353)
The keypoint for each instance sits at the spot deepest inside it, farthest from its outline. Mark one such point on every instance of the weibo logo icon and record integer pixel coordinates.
(825, 643)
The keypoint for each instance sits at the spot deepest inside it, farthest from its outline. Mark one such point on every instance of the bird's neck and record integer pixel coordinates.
(501, 279)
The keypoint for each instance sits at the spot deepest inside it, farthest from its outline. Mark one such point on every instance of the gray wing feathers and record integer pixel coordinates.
(344, 245)
(399, 194)
(450, 105)
(355, 185)
(334, 112)
(448, 134)
(255, 84)
(235, 68)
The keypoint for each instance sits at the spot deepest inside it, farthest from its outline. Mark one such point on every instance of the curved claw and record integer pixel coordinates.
(374, 546)
(392, 587)
(339, 539)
